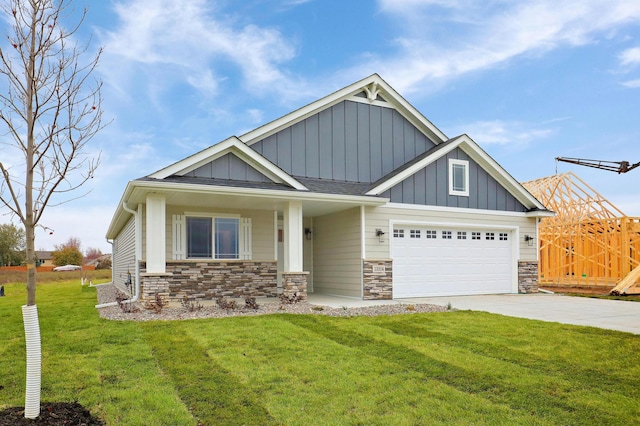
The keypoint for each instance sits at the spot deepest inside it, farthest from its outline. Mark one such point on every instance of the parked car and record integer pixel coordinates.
(67, 268)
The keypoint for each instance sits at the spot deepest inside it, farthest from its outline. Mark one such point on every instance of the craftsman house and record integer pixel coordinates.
(356, 195)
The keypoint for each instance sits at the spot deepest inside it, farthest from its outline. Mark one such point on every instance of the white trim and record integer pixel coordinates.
(419, 207)
(362, 232)
(452, 191)
(515, 242)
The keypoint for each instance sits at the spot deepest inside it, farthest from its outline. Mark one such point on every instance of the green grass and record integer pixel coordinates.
(443, 368)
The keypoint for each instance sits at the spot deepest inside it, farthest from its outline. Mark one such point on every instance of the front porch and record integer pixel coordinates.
(268, 251)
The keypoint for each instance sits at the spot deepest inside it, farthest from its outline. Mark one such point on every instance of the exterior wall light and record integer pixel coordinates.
(529, 240)
(380, 235)
(307, 233)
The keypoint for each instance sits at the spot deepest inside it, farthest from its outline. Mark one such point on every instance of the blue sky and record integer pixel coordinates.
(527, 80)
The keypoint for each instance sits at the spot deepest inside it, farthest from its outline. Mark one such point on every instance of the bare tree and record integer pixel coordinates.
(50, 109)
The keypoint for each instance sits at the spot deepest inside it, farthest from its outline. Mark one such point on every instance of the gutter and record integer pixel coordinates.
(136, 294)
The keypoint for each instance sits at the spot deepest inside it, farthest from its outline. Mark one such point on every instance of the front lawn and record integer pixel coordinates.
(438, 368)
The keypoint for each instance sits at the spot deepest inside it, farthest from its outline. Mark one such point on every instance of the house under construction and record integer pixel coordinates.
(589, 242)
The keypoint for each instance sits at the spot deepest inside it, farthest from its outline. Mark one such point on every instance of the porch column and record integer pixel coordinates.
(156, 230)
(293, 237)
(294, 279)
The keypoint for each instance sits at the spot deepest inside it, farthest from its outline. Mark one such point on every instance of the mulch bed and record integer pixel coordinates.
(51, 414)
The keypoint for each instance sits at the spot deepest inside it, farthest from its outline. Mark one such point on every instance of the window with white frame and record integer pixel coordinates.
(202, 236)
(431, 234)
(398, 233)
(446, 235)
(458, 177)
(414, 233)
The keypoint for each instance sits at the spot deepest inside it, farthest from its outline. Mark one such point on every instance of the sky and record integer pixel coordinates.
(528, 81)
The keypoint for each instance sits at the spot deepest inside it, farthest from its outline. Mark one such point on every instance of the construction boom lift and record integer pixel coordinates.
(612, 166)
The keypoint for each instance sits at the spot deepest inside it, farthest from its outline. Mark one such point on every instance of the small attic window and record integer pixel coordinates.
(459, 177)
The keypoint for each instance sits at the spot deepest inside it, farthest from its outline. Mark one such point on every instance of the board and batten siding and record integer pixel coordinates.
(430, 186)
(229, 167)
(350, 141)
(337, 254)
(124, 254)
(262, 229)
(380, 217)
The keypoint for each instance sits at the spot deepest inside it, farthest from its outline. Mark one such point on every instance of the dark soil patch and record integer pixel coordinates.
(51, 414)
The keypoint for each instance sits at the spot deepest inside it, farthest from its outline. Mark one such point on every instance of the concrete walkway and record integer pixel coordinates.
(608, 314)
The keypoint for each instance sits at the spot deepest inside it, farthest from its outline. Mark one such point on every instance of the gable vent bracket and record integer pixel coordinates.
(372, 91)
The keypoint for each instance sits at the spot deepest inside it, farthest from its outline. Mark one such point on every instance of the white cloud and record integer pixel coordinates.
(499, 132)
(630, 56)
(443, 40)
(174, 42)
(632, 84)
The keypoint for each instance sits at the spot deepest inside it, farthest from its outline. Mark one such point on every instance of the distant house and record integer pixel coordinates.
(44, 258)
(356, 195)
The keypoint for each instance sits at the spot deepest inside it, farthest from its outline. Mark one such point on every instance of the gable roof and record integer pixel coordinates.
(375, 88)
(235, 146)
(476, 153)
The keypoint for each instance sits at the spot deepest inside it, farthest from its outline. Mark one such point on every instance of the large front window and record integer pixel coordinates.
(226, 237)
(212, 238)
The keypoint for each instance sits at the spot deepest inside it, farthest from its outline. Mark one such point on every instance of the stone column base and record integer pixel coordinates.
(527, 276)
(295, 284)
(377, 277)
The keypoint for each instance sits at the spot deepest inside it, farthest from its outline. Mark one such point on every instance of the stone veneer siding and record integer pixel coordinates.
(209, 279)
(295, 283)
(527, 276)
(377, 285)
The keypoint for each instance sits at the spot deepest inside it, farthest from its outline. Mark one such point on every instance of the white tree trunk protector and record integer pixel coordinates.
(34, 360)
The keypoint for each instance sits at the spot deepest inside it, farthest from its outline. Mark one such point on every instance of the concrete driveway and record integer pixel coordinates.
(608, 314)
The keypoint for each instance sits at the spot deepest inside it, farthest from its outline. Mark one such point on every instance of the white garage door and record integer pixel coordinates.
(446, 261)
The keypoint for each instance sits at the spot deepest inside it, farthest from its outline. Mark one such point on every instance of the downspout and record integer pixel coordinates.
(136, 295)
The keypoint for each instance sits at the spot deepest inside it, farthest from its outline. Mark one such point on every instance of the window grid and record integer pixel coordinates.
(431, 234)
(489, 236)
(446, 235)
(476, 235)
(398, 233)
(504, 236)
(462, 235)
(415, 233)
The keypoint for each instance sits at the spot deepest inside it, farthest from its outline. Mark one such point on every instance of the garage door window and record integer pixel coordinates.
(431, 234)
(504, 236)
(489, 236)
(414, 233)
(476, 236)
(446, 235)
(462, 235)
(398, 233)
